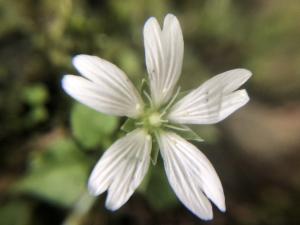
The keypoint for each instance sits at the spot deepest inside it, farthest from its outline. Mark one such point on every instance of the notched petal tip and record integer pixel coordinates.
(164, 54)
(245, 71)
(93, 184)
(170, 19)
(241, 96)
(121, 169)
(67, 82)
(209, 217)
(79, 59)
(104, 87)
(150, 23)
(222, 207)
(191, 175)
(92, 189)
(112, 206)
(214, 100)
(82, 62)
(244, 74)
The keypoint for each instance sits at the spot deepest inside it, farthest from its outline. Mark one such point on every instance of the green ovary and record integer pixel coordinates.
(152, 121)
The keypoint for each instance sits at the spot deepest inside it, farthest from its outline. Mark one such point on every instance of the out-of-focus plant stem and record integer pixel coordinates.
(81, 208)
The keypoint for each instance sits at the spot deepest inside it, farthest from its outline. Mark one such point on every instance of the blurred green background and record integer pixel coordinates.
(49, 143)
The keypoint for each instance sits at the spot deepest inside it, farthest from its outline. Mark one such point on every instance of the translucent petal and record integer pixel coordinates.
(106, 89)
(164, 55)
(191, 174)
(122, 168)
(213, 101)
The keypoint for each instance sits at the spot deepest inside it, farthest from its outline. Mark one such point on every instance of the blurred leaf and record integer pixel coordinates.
(209, 133)
(275, 28)
(130, 62)
(57, 175)
(128, 125)
(15, 213)
(61, 184)
(60, 151)
(37, 115)
(92, 128)
(36, 95)
(158, 191)
(218, 19)
(13, 17)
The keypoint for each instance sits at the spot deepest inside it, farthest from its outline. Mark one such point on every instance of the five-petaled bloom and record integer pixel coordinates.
(158, 113)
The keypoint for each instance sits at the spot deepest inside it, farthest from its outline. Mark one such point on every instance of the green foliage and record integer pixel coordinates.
(92, 128)
(130, 62)
(37, 114)
(16, 212)
(219, 19)
(274, 51)
(210, 134)
(58, 174)
(35, 95)
(158, 191)
(128, 125)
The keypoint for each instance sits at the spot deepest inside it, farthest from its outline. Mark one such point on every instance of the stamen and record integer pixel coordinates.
(148, 97)
(170, 103)
(164, 121)
(154, 120)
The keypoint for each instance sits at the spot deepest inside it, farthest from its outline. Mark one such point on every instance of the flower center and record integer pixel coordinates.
(151, 121)
(154, 120)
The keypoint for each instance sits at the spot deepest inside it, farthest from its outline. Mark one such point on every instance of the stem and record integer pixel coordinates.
(80, 209)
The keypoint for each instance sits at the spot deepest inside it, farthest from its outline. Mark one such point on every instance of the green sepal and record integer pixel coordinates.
(144, 85)
(145, 91)
(185, 132)
(154, 152)
(128, 125)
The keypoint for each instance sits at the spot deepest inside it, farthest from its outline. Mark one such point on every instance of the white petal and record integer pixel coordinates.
(164, 55)
(122, 168)
(106, 89)
(213, 101)
(190, 174)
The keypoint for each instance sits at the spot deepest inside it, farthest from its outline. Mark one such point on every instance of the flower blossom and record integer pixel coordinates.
(158, 115)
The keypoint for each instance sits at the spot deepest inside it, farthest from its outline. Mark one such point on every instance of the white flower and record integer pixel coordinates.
(157, 116)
